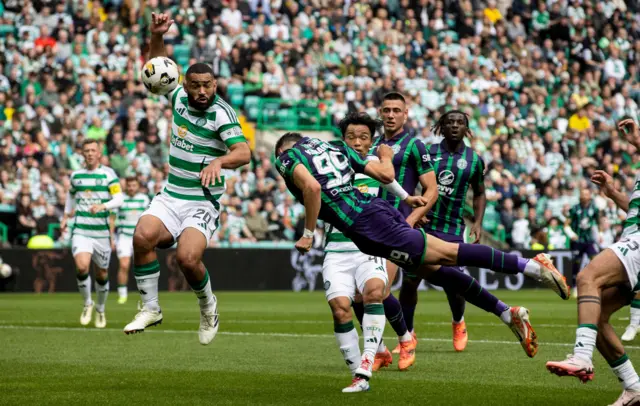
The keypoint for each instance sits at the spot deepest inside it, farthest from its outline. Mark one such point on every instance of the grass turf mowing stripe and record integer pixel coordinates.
(284, 335)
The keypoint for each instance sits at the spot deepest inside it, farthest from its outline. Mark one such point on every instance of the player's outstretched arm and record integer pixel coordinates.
(381, 170)
(160, 24)
(311, 190)
(605, 182)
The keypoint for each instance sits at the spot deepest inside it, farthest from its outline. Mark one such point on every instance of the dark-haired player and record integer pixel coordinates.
(205, 138)
(456, 167)
(412, 168)
(346, 270)
(320, 174)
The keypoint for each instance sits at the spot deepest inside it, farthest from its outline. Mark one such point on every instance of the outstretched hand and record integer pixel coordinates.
(160, 23)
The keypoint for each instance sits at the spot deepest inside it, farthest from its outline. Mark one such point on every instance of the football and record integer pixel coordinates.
(5, 271)
(160, 75)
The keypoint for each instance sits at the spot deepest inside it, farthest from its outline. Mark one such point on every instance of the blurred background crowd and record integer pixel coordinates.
(543, 83)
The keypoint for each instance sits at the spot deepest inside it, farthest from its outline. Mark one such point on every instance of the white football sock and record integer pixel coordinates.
(635, 317)
(84, 286)
(147, 280)
(122, 291)
(505, 316)
(532, 269)
(102, 291)
(206, 300)
(585, 341)
(348, 341)
(626, 373)
(373, 326)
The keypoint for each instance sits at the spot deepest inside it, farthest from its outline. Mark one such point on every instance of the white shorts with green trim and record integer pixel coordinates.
(344, 273)
(99, 248)
(177, 215)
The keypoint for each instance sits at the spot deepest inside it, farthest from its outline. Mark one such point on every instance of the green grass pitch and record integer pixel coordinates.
(278, 348)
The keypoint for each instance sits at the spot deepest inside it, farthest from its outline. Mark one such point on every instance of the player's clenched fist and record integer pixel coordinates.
(160, 23)
(211, 174)
(304, 244)
(603, 180)
(385, 152)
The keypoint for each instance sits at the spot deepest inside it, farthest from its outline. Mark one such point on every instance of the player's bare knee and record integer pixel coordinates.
(585, 280)
(374, 291)
(101, 274)
(144, 240)
(188, 259)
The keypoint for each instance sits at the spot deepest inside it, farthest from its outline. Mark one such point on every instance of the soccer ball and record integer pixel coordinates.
(160, 75)
(5, 271)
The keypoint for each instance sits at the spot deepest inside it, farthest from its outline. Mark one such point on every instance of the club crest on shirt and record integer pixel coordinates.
(182, 131)
(446, 177)
(396, 148)
(201, 121)
(98, 182)
(462, 163)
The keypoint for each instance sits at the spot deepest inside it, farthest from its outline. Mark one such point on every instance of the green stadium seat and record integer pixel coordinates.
(235, 94)
(181, 54)
(251, 107)
(6, 29)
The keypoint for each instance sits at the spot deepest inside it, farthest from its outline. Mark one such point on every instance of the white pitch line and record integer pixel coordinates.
(288, 335)
(329, 322)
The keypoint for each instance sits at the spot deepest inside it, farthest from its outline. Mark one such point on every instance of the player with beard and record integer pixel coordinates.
(205, 139)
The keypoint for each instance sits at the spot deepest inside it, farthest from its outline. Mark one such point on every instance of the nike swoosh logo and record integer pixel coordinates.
(437, 159)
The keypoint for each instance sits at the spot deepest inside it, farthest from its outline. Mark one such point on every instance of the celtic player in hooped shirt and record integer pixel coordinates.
(606, 285)
(319, 174)
(205, 139)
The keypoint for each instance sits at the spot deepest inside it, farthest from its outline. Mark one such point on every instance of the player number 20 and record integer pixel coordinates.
(199, 213)
(332, 163)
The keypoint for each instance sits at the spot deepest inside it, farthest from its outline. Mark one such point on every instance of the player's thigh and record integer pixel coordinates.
(82, 250)
(101, 255)
(616, 265)
(440, 252)
(371, 276)
(338, 275)
(159, 225)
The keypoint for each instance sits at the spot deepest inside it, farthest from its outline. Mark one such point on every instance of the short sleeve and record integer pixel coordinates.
(227, 124)
(286, 163)
(421, 158)
(480, 170)
(173, 95)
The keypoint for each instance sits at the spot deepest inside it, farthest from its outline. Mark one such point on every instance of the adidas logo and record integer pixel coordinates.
(142, 292)
(203, 225)
(181, 110)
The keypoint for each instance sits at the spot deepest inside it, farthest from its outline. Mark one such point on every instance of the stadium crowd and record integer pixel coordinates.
(543, 83)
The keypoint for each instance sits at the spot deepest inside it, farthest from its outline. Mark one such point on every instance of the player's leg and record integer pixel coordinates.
(125, 251)
(393, 311)
(540, 268)
(371, 279)
(634, 322)
(611, 348)
(191, 246)
(101, 258)
(607, 270)
(516, 317)
(150, 233)
(576, 261)
(82, 249)
(338, 275)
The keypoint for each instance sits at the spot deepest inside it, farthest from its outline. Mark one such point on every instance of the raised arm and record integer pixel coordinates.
(160, 24)
(381, 170)
(605, 183)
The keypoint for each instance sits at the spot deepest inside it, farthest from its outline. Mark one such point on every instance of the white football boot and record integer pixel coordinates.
(208, 323)
(628, 398)
(87, 314)
(145, 318)
(101, 320)
(630, 333)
